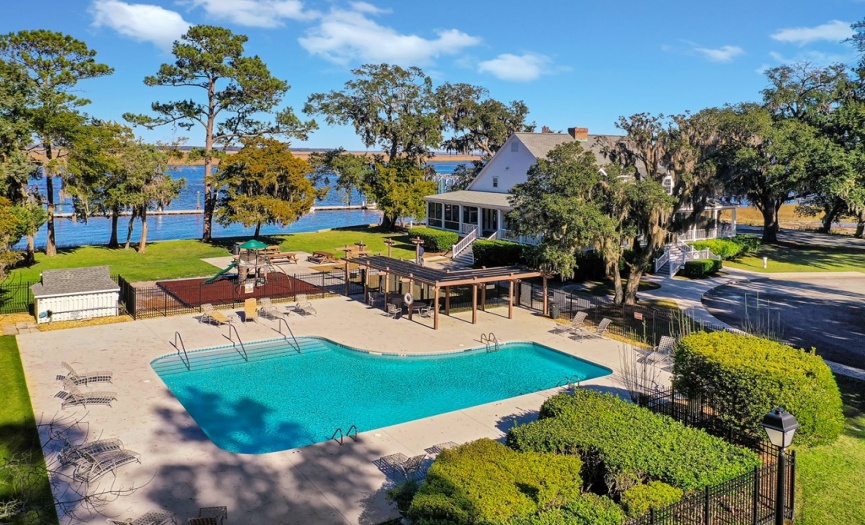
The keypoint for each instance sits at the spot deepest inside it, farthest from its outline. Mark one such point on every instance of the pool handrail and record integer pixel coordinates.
(239, 340)
(281, 322)
(182, 346)
(490, 340)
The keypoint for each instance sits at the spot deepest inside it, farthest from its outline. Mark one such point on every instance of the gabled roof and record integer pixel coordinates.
(540, 144)
(74, 281)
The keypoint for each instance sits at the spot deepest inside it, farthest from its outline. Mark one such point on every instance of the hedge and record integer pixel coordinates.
(435, 240)
(726, 249)
(630, 444)
(588, 509)
(486, 482)
(497, 253)
(748, 243)
(747, 376)
(700, 268)
(657, 495)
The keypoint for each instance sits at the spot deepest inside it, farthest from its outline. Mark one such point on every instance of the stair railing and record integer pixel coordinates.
(242, 350)
(282, 321)
(464, 243)
(178, 337)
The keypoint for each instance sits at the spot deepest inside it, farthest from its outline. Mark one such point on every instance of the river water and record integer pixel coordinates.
(163, 227)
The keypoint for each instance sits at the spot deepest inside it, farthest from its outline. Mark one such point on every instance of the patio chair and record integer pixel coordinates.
(393, 310)
(150, 518)
(267, 309)
(73, 377)
(210, 315)
(425, 310)
(599, 331)
(250, 309)
(209, 516)
(304, 307)
(70, 453)
(94, 467)
(76, 397)
(576, 324)
(662, 353)
(409, 467)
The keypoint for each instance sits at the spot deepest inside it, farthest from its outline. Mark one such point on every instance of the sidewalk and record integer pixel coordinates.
(688, 294)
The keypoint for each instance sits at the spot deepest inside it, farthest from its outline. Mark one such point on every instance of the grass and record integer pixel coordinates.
(18, 437)
(830, 486)
(792, 257)
(179, 259)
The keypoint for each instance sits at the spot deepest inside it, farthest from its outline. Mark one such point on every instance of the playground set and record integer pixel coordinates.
(252, 264)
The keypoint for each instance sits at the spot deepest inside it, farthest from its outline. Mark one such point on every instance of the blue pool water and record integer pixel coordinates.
(281, 399)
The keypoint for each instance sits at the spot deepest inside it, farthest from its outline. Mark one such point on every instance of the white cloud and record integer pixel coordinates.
(720, 54)
(833, 31)
(814, 58)
(516, 68)
(254, 13)
(345, 35)
(142, 22)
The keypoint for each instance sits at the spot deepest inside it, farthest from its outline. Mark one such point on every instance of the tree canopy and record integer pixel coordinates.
(237, 91)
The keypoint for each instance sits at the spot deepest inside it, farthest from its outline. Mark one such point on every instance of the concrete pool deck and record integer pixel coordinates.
(181, 470)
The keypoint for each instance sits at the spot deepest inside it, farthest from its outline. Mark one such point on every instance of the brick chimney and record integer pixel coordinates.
(581, 134)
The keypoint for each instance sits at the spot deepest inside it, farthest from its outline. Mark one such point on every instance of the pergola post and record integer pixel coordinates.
(410, 290)
(484, 297)
(474, 304)
(436, 308)
(387, 286)
(346, 277)
(447, 300)
(366, 283)
(510, 299)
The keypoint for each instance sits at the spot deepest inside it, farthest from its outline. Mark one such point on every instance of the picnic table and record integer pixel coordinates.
(321, 257)
(283, 257)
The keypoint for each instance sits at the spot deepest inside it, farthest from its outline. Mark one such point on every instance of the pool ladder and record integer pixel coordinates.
(570, 381)
(178, 337)
(339, 436)
(491, 341)
(242, 350)
(282, 321)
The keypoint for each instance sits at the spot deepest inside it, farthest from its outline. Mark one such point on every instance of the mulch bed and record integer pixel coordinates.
(194, 293)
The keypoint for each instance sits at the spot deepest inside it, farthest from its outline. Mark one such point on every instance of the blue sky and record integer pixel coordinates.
(574, 63)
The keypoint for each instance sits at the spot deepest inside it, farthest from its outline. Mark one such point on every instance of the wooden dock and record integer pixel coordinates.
(65, 215)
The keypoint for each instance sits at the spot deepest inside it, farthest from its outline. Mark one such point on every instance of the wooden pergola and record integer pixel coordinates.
(442, 280)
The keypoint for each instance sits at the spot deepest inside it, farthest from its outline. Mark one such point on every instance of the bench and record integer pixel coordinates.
(321, 257)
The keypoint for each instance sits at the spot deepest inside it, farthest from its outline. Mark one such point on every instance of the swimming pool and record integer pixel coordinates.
(277, 398)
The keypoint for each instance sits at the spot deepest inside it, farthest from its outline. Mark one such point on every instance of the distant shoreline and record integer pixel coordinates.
(304, 154)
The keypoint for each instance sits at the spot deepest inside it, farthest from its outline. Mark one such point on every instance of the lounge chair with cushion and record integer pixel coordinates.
(92, 468)
(84, 378)
(211, 315)
(250, 309)
(576, 324)
(75, 397)
(266, 308)
(150, 518)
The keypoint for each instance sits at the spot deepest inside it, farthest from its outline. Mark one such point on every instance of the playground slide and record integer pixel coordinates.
(222, 272)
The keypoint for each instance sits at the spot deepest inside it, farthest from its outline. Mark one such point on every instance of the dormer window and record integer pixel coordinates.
(495, 182)
(515, 146)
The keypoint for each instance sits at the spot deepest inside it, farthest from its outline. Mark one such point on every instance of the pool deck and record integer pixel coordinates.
(181, 470)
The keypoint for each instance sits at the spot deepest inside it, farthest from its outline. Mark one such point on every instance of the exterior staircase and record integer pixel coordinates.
(465, 258)
(462, 251)
(673, 253)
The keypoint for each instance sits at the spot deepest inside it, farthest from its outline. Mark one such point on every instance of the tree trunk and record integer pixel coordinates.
(770, 223)
(829, 217)
(257, 230)
(860, 225)
(30, 258)
(50, 240)
(617, 282)
(633, 284)
(142, 244)
(209, 194)
(115, 217)
(388, 223)
(129, 230)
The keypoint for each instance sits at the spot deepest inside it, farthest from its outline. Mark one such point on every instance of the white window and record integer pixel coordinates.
(495, 182)
(668, 184)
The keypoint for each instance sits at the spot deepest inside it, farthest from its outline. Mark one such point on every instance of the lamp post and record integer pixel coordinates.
(780, 426)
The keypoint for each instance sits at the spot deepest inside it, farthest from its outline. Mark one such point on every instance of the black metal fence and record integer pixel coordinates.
(15, 296)
(748, 499)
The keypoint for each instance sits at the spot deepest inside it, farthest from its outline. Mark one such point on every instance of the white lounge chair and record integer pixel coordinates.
(149, 518)
(94, 467)
(576, 323)
(662, 353)
(304, 307)
(75, 378)
(409, 467)
(70, 454)
(76, 397)
(599, 331)
(267, 309)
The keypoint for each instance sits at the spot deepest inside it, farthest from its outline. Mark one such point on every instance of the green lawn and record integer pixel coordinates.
(18, 435)
(788, 257)
(831, 478)
(178, 259)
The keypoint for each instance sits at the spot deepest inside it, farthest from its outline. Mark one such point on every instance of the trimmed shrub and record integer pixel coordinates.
(700, 268)
(497, 253)
(726, 249)
(654, 495)
(748, 376)
(486, 482)
(435, 240)
(629, 443)
(402, 495)
(588, 509)
(748, 243)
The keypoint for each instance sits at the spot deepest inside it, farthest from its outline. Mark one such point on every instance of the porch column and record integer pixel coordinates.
(715, 222)
(474, 304)
(436, 308)
(500, 223)
(461, 219)
(511, 299)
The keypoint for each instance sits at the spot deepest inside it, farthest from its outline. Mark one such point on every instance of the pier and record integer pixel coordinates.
(372, 206)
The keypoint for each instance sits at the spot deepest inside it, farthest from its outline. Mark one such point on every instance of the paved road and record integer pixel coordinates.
(806, 237)
(827, 313)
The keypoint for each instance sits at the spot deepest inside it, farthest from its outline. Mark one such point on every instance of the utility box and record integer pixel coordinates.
(75, 293)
